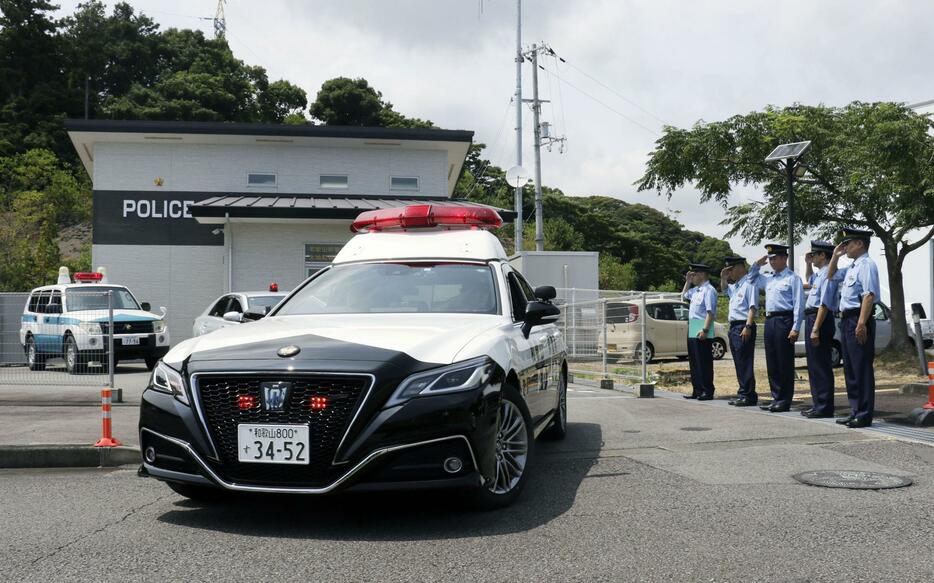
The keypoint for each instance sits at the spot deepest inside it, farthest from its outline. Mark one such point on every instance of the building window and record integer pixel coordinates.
(403, 183)
(260, 179)
(333, 181)
(319, 256)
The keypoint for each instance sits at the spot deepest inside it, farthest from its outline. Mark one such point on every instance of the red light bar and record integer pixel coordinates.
(274, 287)
(426, 215)
(84, 276)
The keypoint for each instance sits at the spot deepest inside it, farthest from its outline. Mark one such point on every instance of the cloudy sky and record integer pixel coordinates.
(631, 65)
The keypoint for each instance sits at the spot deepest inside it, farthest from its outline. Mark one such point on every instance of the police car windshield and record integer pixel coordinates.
(397, 288)
(95, 298)
(264, 301)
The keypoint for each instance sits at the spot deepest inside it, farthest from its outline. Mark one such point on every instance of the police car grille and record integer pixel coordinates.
(219, 397)
(128, 327)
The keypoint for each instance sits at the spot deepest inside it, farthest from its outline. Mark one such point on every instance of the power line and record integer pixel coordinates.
(604, 104)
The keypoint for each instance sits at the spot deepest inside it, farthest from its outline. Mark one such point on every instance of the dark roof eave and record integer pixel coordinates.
(261, 129)
(264, 212)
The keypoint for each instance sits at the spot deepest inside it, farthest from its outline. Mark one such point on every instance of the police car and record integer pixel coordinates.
(236, 308)
(418, 359)
(70, 320)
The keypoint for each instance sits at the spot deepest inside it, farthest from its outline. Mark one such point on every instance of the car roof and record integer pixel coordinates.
(253, 294)
(65, 286)
(420, 244)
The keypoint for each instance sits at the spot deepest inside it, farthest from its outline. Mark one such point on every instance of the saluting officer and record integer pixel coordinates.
(859, 292)
(819, 310)
(784, 312)
(703, 298)
(744, 300)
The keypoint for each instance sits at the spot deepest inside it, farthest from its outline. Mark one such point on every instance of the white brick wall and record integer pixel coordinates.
(184, 279)
(224, 168)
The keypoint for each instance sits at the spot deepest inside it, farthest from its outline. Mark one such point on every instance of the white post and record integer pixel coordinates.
(110, 337)
(642, 328)
(603, 318)
(518, 201)
(537, 148)
(573, 322)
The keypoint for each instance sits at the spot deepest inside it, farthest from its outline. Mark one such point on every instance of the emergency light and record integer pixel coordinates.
(274, 287)
(88, 277)
(426, 216)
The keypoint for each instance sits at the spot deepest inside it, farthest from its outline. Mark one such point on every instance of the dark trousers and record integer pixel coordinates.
(743, 357)
(820, 367)
(780, 359)
(701, 360)
(857, 367)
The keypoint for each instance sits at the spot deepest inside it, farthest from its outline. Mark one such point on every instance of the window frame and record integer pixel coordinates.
(222, 301)
(417, 179)
(345, 186)
(275, 179)
(318, 265)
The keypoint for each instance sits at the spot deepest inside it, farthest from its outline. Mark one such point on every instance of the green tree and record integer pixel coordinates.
(869, 165)
(353, 102)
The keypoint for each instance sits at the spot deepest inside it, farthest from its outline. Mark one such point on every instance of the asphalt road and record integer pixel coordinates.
(642, 490)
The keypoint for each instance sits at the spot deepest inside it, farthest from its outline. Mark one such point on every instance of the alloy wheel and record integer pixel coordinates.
(512, 448)
(31, 353)
(71, 356)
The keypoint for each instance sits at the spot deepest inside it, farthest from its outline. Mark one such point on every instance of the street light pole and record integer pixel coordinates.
(790, 172)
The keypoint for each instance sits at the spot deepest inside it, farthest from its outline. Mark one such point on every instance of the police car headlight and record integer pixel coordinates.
(91, 328)
(158, 326)
(168, 380)
(462, 376)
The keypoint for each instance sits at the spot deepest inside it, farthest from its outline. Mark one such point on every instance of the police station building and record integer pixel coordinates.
(187, 211)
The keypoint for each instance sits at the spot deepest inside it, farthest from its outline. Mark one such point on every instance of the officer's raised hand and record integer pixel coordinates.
(840, 250)
(808, 257)
(762, 260)
(688, 276)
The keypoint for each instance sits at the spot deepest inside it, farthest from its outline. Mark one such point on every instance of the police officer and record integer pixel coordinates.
(744, 300)
(819, 310)
(703, 298)
(859, 292)
(784, 312)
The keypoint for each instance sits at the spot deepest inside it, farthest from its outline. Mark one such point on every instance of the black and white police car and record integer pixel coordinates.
(236, 308)
(419, 358)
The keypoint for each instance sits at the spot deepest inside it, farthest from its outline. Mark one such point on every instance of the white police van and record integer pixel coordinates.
(70, 320)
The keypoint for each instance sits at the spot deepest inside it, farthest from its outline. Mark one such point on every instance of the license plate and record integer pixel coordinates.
(130, 340)
(272, 444)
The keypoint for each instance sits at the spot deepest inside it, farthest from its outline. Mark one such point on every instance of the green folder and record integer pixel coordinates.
(696, 325)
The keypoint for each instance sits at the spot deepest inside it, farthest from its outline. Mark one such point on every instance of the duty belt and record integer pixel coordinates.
(779, 313)
(851, 313)
(738, 322)
(810, 311)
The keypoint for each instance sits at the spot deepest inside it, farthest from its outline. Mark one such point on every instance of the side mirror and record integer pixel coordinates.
(146, 307)
(538, 313)
(545, 293)
(163, 310)
(253, 314)
(233, 317)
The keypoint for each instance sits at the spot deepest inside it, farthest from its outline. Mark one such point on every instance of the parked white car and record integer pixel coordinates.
(883, 318)
(229, 309)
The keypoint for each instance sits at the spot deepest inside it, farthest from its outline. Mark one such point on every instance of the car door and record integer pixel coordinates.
(531, 354)
(664, 328)
(881, 314)
(682, 314)
(45, 328)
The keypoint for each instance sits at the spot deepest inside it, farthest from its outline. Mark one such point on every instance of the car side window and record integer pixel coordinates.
(55, 303)
(519, 301)
(681, 312)
(234, 306)
(219, 308)
(33, 302)
(526, 288)
(42, 302)
(663, 312)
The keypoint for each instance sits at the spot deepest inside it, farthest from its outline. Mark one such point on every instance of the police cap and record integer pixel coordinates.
(732, 260)
(776, 249)
(818, 246)
(850, 234)
(699, 267)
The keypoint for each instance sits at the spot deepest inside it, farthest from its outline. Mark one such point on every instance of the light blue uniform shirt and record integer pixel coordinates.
(743, 295)
(703, 299)
(784, 291)
(824, 291)
(859, 279)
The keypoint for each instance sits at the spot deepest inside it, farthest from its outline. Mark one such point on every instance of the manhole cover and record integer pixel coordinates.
(852, 479)
(695, 429)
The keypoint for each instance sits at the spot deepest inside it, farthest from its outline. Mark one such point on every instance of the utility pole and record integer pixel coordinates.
(790, 173)
(537, 126)
(519, 187)
(220, 21)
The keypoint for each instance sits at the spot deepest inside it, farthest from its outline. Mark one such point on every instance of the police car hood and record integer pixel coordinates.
(429, 338)
(121, 315)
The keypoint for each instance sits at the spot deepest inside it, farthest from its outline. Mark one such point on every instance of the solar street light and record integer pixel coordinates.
(788, 156)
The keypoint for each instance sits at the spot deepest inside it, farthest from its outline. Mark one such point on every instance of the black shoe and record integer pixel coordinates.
(774, 409)
(732, 401)
(844, 420)
(765, 406)
(806, 412)
(857, 423)
(705, 398)
(744, 403)
(812, 414)
(689, 396)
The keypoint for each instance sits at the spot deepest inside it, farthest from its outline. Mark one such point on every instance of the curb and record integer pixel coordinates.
(67, 456)
(914, 389)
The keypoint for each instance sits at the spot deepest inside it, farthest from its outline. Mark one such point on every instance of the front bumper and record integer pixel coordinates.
(399, 447)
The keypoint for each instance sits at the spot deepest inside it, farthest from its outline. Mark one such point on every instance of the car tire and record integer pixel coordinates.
(34, 360)
(72, 356)
(151, 362)
(515, 429)
(649, 353)
(836, 354)
(204, 494)
(718, 348)
(559, 426)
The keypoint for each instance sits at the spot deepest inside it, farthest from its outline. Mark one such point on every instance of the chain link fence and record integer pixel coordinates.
(612, 335)
(56, 338)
